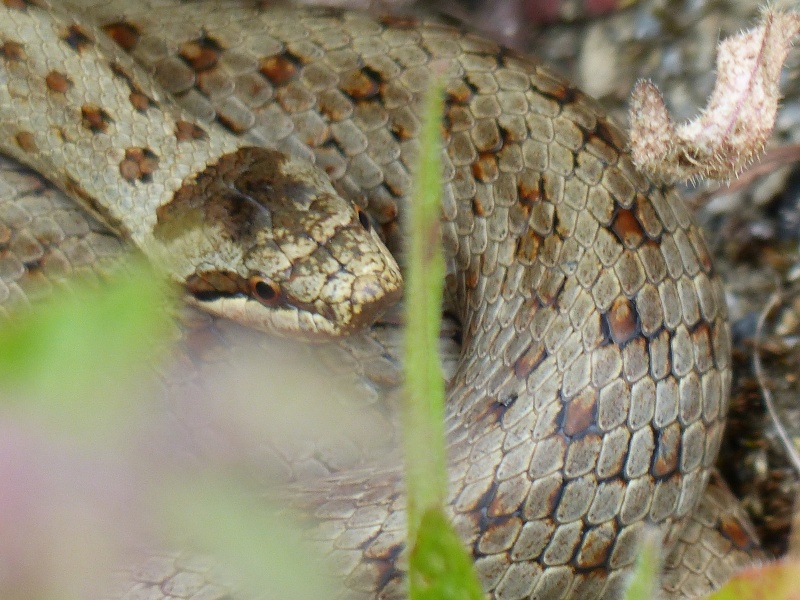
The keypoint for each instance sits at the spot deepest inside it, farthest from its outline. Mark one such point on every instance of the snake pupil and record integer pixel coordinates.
(265, 291)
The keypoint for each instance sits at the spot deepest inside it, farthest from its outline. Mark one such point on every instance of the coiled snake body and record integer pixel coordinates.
(591, 392)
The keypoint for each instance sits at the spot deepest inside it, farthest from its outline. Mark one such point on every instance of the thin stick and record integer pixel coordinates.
(791, 451)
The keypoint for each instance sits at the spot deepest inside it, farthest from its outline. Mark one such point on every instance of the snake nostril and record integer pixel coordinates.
(363, 218)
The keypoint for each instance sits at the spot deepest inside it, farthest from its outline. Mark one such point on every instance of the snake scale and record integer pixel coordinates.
(229, 143)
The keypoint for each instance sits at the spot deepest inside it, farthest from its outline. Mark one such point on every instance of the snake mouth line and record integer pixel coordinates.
(264, 304)
(211, 286)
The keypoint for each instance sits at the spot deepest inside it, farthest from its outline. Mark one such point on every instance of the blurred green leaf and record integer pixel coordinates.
(644, 583)
(439, 566)
(67, 360)
(264, 546)
(773, 581)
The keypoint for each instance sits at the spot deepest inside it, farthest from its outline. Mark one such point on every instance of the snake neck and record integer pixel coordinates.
(252, 233)
(108, 137)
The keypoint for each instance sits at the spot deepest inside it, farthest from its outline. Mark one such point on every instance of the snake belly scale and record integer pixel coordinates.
(591, 392)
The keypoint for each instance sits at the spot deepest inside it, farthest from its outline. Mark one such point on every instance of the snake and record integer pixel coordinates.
(263, 157)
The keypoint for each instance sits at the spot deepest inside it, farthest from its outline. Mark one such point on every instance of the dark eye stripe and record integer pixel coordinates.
(211, 285)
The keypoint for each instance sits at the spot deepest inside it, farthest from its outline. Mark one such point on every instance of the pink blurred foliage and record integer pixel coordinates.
(542, 12)
(68, 511)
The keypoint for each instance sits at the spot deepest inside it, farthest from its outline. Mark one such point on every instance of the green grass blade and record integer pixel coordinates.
(439, 565)
(424, 423)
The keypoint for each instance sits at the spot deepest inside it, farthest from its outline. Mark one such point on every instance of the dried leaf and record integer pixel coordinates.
(735, 126)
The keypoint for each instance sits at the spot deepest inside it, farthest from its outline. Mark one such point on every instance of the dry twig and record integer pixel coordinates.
(769, 402)
(735, 126)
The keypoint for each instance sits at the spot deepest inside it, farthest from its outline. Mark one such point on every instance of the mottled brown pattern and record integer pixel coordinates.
(138, 98)
(239, 193)
(399, 21)
(528, 246)
(737, 532)
(95, 119)
(529, 194)
(125, 34)
(485, 168)
(279, 69)
(628, 229)
(201, 54)
(667, 451)
(185, 131)
(12, 51)
(211, 283)
(607, 133)
(529, 360)
(362, 84)
(459, 93)
(580, 413)
(26, 141)
(77, 38)
(138, 164)
(233, 123)
(58, 82)
(21, 4)
(622, 321)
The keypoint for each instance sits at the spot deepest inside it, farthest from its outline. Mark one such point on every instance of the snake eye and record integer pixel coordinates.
(363, 218)
(264, 290)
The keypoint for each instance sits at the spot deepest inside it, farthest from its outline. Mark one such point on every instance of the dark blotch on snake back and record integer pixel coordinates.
(240, 193)
(12, 51)
(77, 38)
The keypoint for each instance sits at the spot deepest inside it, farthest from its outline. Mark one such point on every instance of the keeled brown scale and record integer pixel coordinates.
(593, 385)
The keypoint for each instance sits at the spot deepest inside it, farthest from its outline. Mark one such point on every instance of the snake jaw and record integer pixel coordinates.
(341, 287)
(326, 317)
